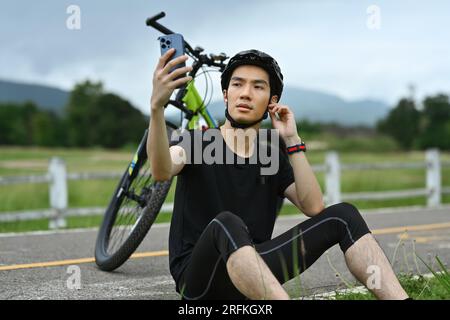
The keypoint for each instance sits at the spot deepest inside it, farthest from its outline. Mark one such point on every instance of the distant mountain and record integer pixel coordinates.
(306, 104)
(48, 98)
(321, 107)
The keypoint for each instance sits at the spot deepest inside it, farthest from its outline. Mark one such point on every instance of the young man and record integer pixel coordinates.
(221, 247)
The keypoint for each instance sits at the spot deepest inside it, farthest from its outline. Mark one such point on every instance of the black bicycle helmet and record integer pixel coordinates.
(260, 59)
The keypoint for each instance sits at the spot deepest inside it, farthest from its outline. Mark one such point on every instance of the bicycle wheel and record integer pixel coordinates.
(132, 210)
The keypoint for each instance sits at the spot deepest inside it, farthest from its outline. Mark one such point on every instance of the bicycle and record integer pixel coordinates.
(138, 199)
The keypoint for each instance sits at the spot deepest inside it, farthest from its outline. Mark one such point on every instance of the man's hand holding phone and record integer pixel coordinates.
(164, 81)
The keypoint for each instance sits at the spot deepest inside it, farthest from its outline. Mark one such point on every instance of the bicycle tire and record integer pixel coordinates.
(110, 260)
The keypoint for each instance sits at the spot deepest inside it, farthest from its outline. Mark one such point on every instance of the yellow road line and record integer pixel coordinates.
(421, 227)
(77, 261)
(421, 239)
(394, 230)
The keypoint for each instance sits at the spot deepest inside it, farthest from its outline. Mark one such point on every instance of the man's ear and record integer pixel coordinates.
(274, 99)
(225, 96)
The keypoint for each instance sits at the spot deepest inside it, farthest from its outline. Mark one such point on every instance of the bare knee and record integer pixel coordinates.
(241, 254)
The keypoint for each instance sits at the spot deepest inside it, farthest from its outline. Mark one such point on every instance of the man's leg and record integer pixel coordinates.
(297, 249)
(366, 259)
(252, 277)
(225, 265)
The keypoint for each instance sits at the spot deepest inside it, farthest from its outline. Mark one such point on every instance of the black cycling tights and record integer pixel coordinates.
(287, 255)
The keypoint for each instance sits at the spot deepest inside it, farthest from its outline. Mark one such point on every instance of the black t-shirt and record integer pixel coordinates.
(205, 190)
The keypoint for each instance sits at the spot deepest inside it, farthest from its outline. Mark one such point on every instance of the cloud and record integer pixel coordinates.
(322, 45)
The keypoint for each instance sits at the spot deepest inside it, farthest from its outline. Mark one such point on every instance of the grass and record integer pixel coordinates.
(443, 276)
(418, 288)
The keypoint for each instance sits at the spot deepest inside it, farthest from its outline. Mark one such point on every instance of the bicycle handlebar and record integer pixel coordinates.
(202, 58)
(152, 23)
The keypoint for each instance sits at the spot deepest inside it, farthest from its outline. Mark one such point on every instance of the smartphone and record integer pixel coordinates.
(176, 41)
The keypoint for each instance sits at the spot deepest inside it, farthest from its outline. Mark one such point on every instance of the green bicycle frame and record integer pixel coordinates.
(193, 102)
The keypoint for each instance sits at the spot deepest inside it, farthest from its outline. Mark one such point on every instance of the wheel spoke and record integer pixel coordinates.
(130, 210)
(127, 211)
(115, 233)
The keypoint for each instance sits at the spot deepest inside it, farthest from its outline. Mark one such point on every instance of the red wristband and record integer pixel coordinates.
(296, 148)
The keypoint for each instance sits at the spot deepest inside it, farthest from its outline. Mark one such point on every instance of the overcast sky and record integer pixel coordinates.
(332, 46)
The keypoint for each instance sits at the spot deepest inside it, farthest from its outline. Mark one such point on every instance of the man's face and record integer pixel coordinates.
(248, 93)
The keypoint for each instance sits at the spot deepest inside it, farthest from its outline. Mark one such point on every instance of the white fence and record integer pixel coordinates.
(57, 178)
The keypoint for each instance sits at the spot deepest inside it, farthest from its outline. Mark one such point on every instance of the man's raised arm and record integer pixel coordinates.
(158, 152)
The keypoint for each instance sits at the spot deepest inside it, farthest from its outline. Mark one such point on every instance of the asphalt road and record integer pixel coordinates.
(40, 265)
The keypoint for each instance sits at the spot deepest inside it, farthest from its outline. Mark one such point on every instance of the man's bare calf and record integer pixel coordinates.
(252, 277)
(364, 255)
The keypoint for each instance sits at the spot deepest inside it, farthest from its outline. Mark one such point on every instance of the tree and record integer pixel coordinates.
(435, 123)
(402, 123)
(49, 130)
(117, 122)
(79, 112)
(95, 118)
(16, 127)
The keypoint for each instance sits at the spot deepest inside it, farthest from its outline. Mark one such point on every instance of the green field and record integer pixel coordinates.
(97, 193)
